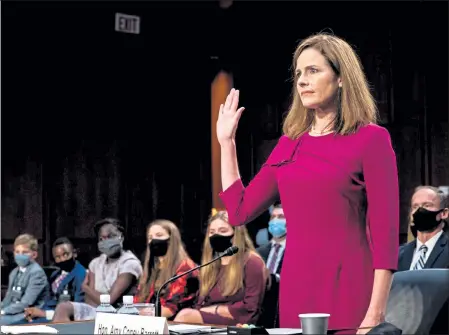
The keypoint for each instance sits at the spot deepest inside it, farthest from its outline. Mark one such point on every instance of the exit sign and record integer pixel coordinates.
(127, 23)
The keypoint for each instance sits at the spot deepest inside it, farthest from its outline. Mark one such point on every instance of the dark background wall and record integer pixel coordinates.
(68, 76)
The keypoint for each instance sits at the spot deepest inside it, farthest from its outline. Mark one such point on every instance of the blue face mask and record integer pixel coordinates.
(277, 227)
(22, 260)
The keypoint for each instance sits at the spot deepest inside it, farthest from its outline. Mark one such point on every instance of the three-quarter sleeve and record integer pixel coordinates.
(254, 284)
(244, 204)
(382, 190)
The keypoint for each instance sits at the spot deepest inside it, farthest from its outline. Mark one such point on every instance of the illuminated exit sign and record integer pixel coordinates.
(127, 23)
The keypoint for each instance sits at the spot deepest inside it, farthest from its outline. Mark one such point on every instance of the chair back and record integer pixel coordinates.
(49, 270)
(269, 316)
(416, 299)
(385, 328)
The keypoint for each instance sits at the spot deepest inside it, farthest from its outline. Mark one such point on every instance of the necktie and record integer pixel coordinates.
(272, 265)
(17, 278)
(422, 258)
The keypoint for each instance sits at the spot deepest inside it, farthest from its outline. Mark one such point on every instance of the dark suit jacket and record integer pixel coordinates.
(264, 252)
(73, 281)
(35, 289)
(438, 258)
(270, 308)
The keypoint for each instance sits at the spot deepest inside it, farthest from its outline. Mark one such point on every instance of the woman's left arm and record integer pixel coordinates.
(381, 178)
(379, 297)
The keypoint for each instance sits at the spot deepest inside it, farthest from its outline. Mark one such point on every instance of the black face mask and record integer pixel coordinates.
(66, 265)
(158, 248)
(425, 220)
(220, 243)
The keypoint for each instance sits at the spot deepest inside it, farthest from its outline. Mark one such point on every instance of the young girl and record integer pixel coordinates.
(166, 257)
(232, 289)
(114, 272)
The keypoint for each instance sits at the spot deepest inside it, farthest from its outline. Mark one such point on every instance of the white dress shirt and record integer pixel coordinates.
(430, 244)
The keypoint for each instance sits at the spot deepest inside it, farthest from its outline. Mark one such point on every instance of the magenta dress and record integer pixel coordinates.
(340, 198)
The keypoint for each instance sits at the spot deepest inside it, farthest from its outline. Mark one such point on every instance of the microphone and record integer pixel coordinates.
(228, 252)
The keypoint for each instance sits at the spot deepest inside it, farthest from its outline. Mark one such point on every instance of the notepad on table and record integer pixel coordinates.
(187, 329)
(284, 331)
(38, 329)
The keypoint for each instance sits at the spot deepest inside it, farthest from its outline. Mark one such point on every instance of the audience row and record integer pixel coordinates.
(229, 291)
(236, 289)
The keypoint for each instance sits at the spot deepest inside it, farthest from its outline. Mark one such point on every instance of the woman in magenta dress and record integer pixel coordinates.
(335, 172)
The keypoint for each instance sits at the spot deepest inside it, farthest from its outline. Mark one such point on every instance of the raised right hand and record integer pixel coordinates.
(228, 118)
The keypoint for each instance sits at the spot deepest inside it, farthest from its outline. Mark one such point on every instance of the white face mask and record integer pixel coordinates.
(22, 260)
(111, 246)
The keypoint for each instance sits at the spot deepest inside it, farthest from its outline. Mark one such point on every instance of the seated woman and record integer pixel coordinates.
(166, 257)
(114, 272)
(231, 291)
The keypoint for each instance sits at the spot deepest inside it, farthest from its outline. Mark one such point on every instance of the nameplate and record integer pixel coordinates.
(106, 323)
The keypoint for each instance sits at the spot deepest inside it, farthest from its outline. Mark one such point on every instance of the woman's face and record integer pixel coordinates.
(157, 232)
(218, 226)
(316, 82)
(107, 232)
(110, 240)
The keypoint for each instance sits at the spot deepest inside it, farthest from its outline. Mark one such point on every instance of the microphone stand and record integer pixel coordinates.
(229, 252)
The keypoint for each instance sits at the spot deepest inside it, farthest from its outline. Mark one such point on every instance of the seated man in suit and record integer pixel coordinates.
(69, 278)
(273, 252)
(430, 249)
(28, 285)
(273, 255)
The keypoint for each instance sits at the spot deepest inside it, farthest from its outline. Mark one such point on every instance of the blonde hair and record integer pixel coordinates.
(26, 239)
(176, 254)
(355, 107)
(234, 272)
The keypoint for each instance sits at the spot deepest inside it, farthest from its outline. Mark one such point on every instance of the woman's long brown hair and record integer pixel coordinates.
(355, 104)
(233, 276)
(153, 271)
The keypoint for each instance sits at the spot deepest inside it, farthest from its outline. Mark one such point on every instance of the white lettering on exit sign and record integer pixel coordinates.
(127, 23)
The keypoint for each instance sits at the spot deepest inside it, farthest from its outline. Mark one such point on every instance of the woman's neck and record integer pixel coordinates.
(225, 260)
(323, 120)
(114, 257)
(161, 262)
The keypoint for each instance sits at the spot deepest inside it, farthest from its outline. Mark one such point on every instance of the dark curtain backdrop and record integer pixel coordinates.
(68, 76)
(98, 123)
